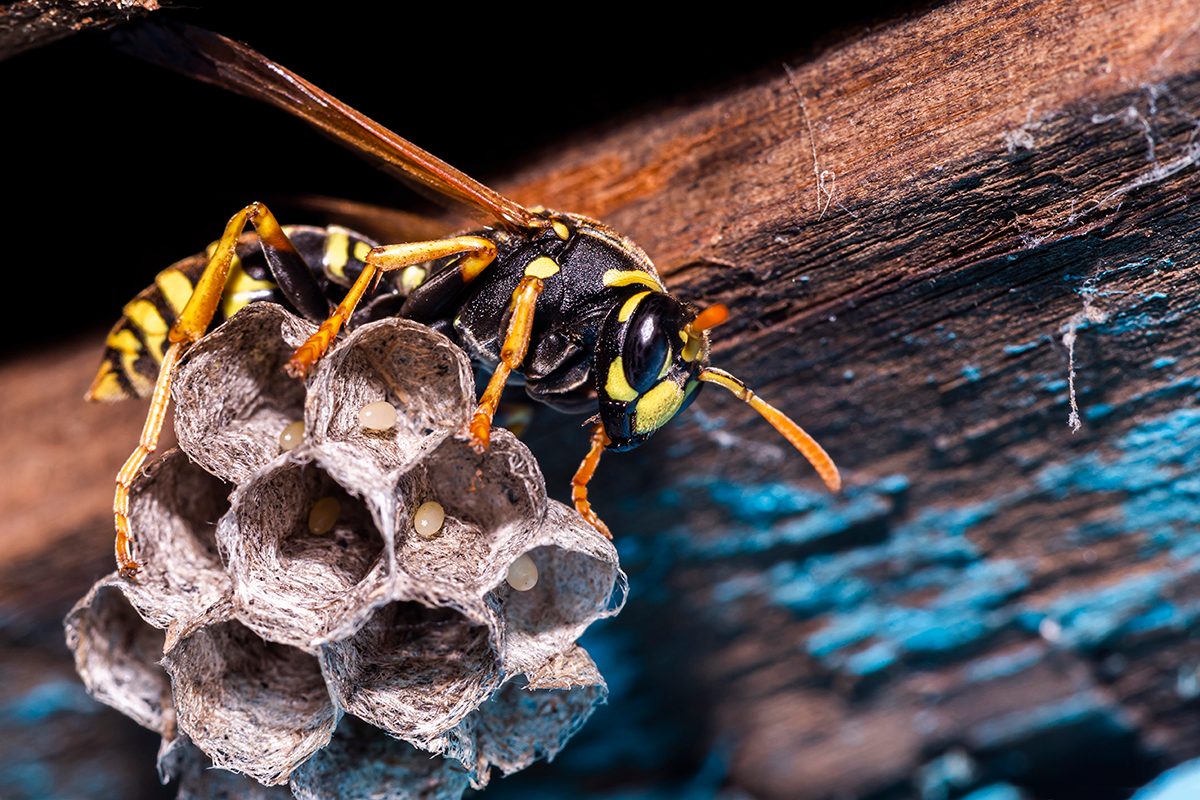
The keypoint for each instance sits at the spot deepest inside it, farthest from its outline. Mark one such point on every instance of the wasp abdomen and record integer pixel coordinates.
(335, 256)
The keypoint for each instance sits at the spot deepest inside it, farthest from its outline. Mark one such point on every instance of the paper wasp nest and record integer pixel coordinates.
(333, 664)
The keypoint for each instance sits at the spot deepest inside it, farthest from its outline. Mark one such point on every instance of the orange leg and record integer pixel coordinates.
(147, 444)
(583, 475)
(192, 323)
(512, 353)
(479, 253)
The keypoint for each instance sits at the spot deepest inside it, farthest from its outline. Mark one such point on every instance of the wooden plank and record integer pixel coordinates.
(908, 228)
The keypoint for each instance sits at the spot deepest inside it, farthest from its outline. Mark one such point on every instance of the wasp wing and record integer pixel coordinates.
(215, 59)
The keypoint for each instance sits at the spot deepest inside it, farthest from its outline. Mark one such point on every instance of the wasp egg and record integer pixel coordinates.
(324, 515)
(377, 416)
(428, 519)
(522, 574)
(291, 436)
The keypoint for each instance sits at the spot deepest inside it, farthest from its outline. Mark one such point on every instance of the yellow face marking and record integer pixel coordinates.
(412, 277)
(241, 289)
(616, 386)
(625, 277)
(657, 406)
(361, 251)
(542, 267)
(145, 317)
(176, 288)
(337, 253)
(561, 230)
(629, 305)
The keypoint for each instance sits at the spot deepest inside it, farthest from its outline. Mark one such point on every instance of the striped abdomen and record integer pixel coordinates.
(135, 346)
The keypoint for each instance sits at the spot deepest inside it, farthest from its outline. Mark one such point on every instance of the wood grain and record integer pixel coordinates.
(906, 228)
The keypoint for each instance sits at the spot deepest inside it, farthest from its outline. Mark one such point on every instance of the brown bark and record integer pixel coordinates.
(906, 228)
(26, 24)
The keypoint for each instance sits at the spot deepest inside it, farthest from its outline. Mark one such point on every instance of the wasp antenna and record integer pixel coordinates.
(796, 435)
(710, 317)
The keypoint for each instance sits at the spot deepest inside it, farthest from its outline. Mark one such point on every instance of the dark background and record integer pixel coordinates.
(118, 168)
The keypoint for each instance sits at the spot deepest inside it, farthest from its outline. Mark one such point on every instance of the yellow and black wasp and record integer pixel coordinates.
(571, 305)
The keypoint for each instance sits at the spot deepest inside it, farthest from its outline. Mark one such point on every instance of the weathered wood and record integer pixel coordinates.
(907, 227)
(25, 24)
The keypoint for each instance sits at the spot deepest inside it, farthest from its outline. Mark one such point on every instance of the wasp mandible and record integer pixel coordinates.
(574, 307)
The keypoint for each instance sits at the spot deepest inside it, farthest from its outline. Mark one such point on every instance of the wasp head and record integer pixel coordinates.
(651, 352)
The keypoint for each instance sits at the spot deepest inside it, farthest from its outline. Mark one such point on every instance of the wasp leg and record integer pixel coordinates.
(512, 353)
(583, 475)
(192, 323)
(479, 253)
(147, 444)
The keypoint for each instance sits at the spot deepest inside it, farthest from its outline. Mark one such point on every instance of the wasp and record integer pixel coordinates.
(567, 303)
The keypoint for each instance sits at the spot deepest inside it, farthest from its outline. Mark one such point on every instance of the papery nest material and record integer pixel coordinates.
(328, 663)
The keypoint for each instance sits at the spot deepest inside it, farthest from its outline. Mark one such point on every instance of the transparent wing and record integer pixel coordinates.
(215, 59)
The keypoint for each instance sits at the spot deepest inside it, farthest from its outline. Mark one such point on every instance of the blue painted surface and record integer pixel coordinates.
(47, 699)
(1086, 709)
(924, 590)
(1023, 347)
(1180, 783)
(997, 791)
(971, 372)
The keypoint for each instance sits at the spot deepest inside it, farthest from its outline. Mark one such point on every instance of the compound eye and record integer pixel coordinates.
(646, 350)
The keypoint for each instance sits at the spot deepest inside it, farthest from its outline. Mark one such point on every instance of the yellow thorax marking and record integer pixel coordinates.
(657, 406)
(616, 386)
(175, 287)
(144, 316)
(542, 267)
(337, 252)
(561, 230)
(412, 277)
(629, 305)
(241, 289)
(624, 277)
(361, 251)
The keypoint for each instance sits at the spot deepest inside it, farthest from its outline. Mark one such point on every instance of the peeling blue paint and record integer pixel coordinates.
(971, 373)
(1163, 362)
(47, 699)
(1098, 618)
(1005, 664)
(776, 515)
(946, 775)
(1088, 709)
(1180, 783)
(1023, 347)
(997, 791)
(921, 590)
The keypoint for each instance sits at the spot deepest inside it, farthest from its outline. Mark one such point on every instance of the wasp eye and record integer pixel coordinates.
(646, 348)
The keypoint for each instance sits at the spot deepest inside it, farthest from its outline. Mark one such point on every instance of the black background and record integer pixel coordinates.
(116, 168)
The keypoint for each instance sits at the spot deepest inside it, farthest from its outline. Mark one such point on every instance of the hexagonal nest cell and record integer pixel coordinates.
(313, 636)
